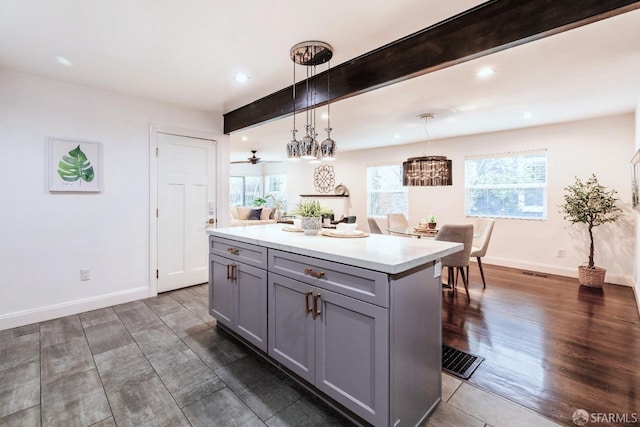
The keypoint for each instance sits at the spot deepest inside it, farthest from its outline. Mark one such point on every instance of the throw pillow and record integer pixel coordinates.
(266, 213)
(233, 211)
(255, 214)
(243, 212)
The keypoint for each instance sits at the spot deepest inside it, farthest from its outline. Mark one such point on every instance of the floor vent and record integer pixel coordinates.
(459, 363)
(531, 273)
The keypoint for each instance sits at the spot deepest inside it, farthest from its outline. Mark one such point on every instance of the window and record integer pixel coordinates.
(507, 186)
(385, 193)
(243, 189)
(276, 185)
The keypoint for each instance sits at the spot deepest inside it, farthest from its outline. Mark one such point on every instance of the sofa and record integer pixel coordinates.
(251, 215)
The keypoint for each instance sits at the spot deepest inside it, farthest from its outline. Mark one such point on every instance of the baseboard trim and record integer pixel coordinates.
(41, 314)
(616, 279)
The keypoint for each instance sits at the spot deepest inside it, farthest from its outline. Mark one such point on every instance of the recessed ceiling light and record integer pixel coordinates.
(245, 138)
(527, 115)
(396, 136)
(241, 77)
(324, 116)
(485, 72)
(63, 61)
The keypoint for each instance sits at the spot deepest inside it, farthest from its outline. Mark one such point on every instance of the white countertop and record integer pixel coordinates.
(388, 254)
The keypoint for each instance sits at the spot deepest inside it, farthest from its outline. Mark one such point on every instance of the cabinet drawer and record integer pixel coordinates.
(238, 251)
(359, 283)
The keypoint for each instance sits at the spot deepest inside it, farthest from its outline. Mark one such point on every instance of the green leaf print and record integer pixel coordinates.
(75, 166)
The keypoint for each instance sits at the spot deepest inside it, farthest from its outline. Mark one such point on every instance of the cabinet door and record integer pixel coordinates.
(221, 300)
(291, 327)
(352, 359)
(250, 309)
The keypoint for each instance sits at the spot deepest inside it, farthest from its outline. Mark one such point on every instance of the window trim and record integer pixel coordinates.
(526, 185)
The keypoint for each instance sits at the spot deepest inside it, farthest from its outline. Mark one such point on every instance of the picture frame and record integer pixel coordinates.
(635, 181)
(75, 165)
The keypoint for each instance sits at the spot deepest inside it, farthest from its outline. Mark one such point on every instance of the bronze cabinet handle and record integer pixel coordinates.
(316, 274)
(233, 251)
(231, 269)
(316, 310)
(307, 309)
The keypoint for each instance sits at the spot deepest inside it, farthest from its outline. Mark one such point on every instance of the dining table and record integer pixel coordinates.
(413, 232)
(418, 232)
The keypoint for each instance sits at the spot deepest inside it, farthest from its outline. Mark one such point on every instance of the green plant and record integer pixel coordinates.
(311, 208)
(75, 166)
(432, 218)
(262, 201)
(327, 213)
(259, 201)
(590, 203)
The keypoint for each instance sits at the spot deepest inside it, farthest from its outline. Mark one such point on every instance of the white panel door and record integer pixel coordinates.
(186, 199)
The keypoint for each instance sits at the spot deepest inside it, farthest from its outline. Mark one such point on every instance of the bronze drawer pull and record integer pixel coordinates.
(316, 310)
(233, 251)
(231, 270)
(307, 309)
(316, 274)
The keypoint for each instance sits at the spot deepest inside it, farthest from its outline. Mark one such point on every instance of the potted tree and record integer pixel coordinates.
(311, 212)
(592, 204)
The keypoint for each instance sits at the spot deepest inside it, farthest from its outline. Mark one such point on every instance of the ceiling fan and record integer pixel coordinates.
(255, 160)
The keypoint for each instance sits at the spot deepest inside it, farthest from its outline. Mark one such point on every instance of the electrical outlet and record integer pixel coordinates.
(437, 269)
(85, 274)
(560, 253)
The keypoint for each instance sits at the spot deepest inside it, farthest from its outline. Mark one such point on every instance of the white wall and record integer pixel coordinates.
(47, 238)
(636, 254)
(603, 146)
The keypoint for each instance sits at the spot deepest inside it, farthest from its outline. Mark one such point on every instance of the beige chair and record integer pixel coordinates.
(482, 229)
(397, 220)
(374, 228)
(460, 260)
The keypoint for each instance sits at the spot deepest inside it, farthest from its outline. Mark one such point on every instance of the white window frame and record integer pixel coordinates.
(400, 189)
(522, 207)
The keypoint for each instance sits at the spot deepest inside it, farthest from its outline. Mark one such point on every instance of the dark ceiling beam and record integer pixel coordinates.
(488, 28)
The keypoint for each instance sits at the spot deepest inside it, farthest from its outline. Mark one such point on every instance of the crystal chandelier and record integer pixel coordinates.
(311, 54)
(426, 170)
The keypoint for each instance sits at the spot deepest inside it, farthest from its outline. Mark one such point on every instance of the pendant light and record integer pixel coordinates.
(293, 147)
(427, 170)
(310, 54)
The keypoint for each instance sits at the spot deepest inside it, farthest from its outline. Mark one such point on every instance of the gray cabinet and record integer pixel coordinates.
(238, 298)
(368, 340)
(335, 342)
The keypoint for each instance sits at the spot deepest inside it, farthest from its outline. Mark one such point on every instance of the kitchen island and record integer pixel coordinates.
(355, 319)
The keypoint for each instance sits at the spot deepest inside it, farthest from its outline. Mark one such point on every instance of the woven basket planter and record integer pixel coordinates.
(592, 277)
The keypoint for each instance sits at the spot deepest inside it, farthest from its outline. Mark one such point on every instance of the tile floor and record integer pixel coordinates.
(162, 362)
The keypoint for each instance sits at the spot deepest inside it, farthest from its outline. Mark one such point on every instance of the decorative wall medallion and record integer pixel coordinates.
(324, 178)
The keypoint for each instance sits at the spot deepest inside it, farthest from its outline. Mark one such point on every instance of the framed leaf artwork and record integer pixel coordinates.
(75, 165)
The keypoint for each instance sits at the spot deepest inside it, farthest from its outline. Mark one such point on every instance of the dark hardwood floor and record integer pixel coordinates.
(549, 344)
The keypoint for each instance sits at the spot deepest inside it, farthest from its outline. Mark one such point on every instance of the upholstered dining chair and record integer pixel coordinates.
(482, 229)
(374, 228)
(459, 233)
(397, 220)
